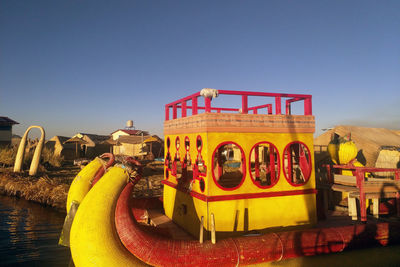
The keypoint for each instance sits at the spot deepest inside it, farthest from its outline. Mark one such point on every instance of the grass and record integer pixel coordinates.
(8, 154)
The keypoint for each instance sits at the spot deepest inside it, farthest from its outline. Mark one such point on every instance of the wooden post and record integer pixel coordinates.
(360, 184)
(213, 240)
(207, 102)
(375, 202)
(244, 104)
(278, 105)
(352, 208)
(184, 109)
(194, 105)
(201, 230)
(174, 111)
(166, 112)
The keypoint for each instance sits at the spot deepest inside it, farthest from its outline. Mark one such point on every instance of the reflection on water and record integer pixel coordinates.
(29, 234)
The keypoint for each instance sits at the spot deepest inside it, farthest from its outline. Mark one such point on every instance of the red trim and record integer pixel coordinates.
(244, 196)
(243, 159)
(182, 103)
(152, 247)
(288, 179)
(279, 166)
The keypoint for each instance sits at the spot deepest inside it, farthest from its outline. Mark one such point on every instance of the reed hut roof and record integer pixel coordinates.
(133, 139)
(153, 138)
(369, 141)
(132, 132)
(75, 140)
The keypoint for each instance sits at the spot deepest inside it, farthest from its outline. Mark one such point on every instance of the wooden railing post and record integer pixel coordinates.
(307, 106)
(194, 105)
(207, 103)
(278, 105)
(360, 185)
(184, 108)
(174, 111)
(244, 104)
(166, 112)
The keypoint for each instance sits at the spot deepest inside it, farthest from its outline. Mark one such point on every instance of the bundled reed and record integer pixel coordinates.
(43, 190)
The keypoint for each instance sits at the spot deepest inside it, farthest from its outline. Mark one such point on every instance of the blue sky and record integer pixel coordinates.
(89, 66)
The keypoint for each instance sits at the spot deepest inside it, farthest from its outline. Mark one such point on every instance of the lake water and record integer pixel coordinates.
(29, 234)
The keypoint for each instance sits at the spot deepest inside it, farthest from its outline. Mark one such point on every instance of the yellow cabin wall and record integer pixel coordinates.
(242, 214)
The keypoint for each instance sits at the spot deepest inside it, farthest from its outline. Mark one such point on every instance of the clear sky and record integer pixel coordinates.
(90, 65)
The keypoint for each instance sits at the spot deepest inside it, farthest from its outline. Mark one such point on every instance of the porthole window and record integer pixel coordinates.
(177, 168)
(297, 163)
(187, 169)
(199, 143)
(264, 164)
(228, 166)
(168, 159)
(200, 165)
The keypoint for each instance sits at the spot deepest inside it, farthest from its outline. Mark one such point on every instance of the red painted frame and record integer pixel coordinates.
(279, 165)
(360, 177)
(242, 196)
(283, 163)
(290, 98)
(243, 166)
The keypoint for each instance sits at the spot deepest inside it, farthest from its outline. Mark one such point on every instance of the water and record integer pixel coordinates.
(29, 234)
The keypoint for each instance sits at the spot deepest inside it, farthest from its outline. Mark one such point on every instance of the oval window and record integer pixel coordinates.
(264, 164)
(228, 166)
(177, 168)
(297, 163)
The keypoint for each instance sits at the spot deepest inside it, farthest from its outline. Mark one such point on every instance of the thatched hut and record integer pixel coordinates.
(89, 145)
(139, 146)
(58, 146)
(377, 147)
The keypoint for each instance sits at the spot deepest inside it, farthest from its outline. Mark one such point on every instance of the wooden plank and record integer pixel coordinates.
(344, 179)
(382, 187)
(157, 218)
(344, 188)
(373, 195)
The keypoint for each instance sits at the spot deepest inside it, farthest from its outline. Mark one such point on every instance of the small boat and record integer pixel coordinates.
(238, 182)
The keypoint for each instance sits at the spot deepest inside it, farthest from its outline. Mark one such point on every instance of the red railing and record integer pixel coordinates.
(359, 173)
(182, 104)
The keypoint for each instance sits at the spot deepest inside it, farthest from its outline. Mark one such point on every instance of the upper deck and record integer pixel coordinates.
(198, 115)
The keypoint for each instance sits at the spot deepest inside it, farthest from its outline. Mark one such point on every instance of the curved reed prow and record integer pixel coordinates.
(36, 156)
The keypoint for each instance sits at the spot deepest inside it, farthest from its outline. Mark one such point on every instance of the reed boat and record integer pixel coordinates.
(239, 190)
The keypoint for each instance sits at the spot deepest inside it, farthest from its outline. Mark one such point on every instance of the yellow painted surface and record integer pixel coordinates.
(82, 183)
(94, 238)
(185, 210)
(241, 214)
(251, 214)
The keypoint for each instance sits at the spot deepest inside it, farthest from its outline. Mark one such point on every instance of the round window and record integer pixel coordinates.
(297, 163)
(264, 164)
(228, 166)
